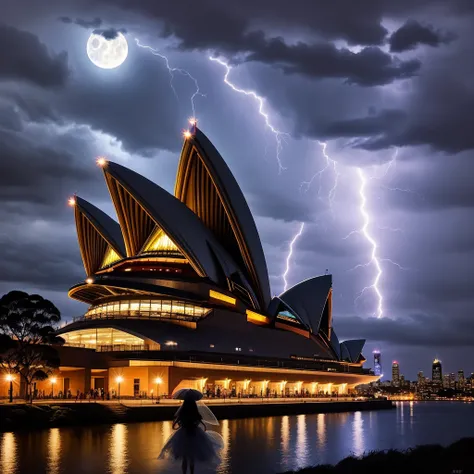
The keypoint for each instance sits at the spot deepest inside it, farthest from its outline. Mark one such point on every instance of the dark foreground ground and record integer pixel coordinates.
(24, 416)
(458, 458)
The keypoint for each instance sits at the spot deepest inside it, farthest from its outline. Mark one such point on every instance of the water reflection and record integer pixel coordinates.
(54, 451)
(261, 446)
(8, 460)
(301, 441)
(224, 466)
(285, 441)
(118, 449)
(400, 409)
(411, 413)
(321, 423)
(358, 433)
(167, 429)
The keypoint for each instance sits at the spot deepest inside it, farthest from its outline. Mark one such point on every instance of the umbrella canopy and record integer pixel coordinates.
(188, 394)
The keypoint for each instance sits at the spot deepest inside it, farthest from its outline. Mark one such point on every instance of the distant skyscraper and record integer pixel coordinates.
(446, 381)
(437, 374)
(421, 380)
(395, 374)
(452, 380)
(377, 363)
(461, 380)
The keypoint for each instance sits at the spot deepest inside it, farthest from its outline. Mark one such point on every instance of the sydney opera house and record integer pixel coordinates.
(178, 295)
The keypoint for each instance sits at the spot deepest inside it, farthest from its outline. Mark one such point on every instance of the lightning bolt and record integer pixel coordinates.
(374, 260)
(172, 71)
(290, 253)
(279, 135)
(330, 163)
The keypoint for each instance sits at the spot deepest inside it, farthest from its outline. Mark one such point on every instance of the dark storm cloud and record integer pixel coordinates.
(88, 24)
(137, 107)
(41, 166)
(227, 25)
(25, 58)
(110, 33)
(375, 124)
(412, 34)
(418, 329)
(369, 67)
(42, 260)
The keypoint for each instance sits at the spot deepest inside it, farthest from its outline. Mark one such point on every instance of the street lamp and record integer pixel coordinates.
(158, 382)
(53, 381)
(10, 378)
(119, 380)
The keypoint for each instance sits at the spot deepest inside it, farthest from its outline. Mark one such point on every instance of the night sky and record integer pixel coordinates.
(387, 84)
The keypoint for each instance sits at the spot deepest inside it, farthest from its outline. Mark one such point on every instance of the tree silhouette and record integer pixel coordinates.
(27, 330)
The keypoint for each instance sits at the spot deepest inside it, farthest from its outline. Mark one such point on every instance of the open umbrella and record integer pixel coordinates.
(188, 394)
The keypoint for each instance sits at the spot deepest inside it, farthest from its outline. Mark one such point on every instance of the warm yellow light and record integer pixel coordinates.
(158, 380)
(10, 378)
(171, 343)
(89, 281)
(71, 201)
(220, 296)
(110, 257)
(53, 380)
(119, 379)
(256, 318)
(192, 121)
(187, 134)
(101, 161)
(160, 242)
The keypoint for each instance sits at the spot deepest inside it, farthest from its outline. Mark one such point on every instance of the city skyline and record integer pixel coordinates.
(348, 129)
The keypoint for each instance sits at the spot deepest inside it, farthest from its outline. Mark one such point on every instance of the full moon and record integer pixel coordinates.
(107, 53)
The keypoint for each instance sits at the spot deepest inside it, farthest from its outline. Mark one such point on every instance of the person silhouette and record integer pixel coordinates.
(192, 442)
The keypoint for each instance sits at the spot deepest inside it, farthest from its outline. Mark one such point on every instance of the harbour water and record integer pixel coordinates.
(252, 446)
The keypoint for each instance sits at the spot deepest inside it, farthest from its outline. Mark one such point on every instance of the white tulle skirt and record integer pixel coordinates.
(196, 445)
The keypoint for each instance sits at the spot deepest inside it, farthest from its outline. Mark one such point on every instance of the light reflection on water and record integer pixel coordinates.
(8, 461)
(54, 451)
(118, 455)
(358, 433)
(251, 446)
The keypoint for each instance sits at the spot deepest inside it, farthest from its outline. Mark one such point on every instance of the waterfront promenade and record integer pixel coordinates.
(45, 414)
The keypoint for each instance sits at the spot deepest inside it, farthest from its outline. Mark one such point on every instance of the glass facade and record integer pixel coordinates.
(147, 309)
(106, 339)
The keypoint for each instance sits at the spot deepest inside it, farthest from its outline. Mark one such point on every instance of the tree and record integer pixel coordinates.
(27, 330)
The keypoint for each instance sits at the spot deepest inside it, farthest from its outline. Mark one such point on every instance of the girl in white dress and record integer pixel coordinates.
(191, 442)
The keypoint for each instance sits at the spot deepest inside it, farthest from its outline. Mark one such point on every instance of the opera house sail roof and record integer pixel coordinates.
(189, 270)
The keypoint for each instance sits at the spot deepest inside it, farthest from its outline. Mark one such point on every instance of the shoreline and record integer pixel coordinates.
(455, 458)
(41, 416)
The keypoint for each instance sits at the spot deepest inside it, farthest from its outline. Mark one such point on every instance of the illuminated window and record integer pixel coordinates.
(211, 346)
(105, 339)
(110, 257)
(238, 349)
(220, 296)
(170, 309)
(161, 243)
(256, 318)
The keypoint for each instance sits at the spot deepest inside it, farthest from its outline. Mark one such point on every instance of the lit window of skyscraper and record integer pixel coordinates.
(395, 374)
(437, 374)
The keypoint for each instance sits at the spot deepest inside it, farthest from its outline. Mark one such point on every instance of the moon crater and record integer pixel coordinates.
(107, 53)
